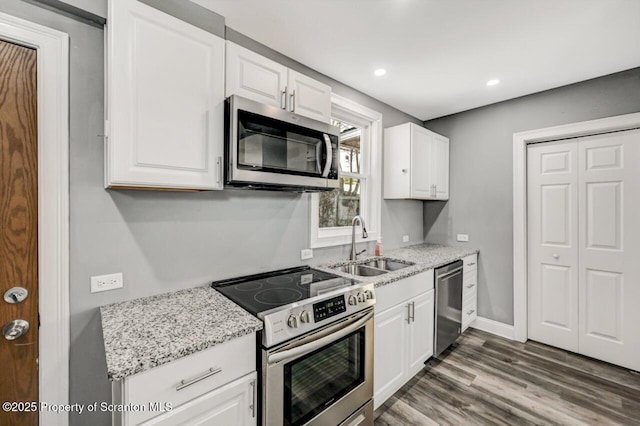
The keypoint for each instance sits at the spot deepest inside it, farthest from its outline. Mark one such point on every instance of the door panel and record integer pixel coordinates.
(389, 352)
(421, 157)
(552, 244)
(421, 331)
(609, 247)
(255, 77)
(309, 97)
(18, 226)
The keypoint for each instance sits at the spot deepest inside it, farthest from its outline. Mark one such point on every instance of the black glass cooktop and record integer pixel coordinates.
(262, 292)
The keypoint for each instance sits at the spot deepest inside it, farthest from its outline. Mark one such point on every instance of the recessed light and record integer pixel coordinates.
(493, 82)
(380, 72)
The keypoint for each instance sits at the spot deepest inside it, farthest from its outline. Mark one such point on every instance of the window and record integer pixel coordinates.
(359, 188)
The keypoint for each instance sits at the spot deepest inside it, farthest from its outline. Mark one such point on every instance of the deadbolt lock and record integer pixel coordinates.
(15, 295)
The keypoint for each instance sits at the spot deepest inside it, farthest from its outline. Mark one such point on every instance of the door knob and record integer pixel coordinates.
(15, 295)
(15, 329)
(556, 256)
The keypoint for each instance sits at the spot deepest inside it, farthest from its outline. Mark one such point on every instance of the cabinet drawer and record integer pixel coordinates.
(470, 262)
(469, 313)
(201, 373)
(470, 296)
(404, 289)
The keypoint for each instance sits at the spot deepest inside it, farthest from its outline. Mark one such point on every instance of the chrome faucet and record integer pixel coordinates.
(354, 255)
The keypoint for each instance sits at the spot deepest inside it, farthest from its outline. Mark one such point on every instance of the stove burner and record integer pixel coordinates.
(250, 286)
(278, 296)
(283, 279)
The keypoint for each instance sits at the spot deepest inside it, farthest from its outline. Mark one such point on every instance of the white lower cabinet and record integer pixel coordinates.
(224, 406)
(469, 290)
(216, 386)
(403, 332)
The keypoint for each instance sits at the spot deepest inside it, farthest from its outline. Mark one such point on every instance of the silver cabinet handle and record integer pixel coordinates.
(220, 172)
(471, 311)
(470, 285)
(183, 384)
(254, 391)
(405, 170)
(408, 313)
(292, 98)
(413, 311)
(283, 98)
(471, 263)
(556, 256)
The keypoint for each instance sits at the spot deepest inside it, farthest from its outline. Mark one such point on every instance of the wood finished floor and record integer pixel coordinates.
(487, 380)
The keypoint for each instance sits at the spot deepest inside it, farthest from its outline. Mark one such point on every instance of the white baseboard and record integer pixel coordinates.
(494, 327)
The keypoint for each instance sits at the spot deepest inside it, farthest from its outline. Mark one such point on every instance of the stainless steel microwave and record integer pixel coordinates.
(270, 148)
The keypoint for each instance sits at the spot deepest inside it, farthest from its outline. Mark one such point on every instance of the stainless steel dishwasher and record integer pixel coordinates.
(448, 306)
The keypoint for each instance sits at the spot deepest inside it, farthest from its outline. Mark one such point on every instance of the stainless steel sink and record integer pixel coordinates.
(388, 264)
(361, 270)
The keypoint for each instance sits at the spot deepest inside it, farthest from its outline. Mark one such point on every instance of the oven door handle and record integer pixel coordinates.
(327, 165)
(317, 344)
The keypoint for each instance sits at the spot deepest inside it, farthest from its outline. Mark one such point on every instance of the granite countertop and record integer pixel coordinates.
(144, 333)
(425, 256)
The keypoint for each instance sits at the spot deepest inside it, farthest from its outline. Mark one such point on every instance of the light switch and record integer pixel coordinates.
(463, 237)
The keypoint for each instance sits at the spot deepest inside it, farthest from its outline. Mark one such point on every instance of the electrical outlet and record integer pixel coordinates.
(306, 254)
(463, 237)
(405, 238)
(106, 282)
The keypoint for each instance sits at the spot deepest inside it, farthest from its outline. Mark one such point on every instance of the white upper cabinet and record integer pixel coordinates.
(165, 101)
(255, 77)
(260, 79)
(309, 97)
(416, 163)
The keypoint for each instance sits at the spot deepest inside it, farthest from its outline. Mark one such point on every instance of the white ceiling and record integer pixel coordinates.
(439, 54)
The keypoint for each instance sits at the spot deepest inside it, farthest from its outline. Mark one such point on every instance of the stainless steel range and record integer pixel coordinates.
(316, 355)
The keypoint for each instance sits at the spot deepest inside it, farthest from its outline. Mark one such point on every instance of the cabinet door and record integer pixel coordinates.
(165, 109)
(440, 166)
(309, 97)
(389, 352)
(421, 160)
(232, 404)
(420, 336)
(255, 77)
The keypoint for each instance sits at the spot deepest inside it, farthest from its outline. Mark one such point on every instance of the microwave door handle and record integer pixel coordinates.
(327, 166)
(317, 344)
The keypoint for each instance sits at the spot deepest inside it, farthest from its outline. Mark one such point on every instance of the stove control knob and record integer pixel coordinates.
(292, 321)
(368, 294)
(352, 300)
(361, 297)
(305, 317)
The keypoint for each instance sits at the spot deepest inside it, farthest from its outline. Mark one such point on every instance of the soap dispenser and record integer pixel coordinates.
(378, 248)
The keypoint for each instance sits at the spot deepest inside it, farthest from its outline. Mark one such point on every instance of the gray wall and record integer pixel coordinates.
(166, 241)
(481, 203)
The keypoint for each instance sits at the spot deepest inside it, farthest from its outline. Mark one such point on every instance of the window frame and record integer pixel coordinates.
(370, 122)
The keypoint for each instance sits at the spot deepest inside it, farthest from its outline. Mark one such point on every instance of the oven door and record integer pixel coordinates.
(320, 379)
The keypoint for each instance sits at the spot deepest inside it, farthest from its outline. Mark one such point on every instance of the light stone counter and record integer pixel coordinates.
(144, 333)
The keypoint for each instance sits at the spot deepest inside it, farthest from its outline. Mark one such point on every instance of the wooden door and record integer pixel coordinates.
(390, 352)
(255, 77)
(18, 228)
(609, 211)
(421, 160)
(552, 185)
(309, 97)
(420, 335)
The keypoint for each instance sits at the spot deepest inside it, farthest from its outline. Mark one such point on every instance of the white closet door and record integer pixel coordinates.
(609, 238)
(553, 244)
